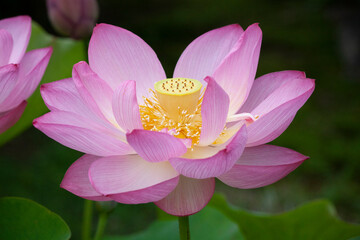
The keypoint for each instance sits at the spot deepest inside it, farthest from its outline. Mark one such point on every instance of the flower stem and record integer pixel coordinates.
(101, 225)
(184, 228)
(87, 219)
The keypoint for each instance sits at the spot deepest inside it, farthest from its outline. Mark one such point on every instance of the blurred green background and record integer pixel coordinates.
(320, 37)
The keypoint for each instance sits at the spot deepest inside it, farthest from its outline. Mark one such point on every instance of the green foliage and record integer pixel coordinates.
(22, 218)
(208, 224)
(66, 52)
(315, 220)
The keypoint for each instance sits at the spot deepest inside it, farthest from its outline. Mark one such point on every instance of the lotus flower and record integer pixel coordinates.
(20, 72)
(152, 139)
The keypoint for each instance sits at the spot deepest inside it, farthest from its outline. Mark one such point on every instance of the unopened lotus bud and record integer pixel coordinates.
(74, 18)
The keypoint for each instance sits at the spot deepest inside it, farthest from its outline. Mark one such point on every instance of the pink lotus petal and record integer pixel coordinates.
(8, 78)
(155, 146)
(76, 179)
(128, 173)
(32, 68)
(266, 85)
(96, 92)
(62, 95)
(228, 134)
(6, 45)
(262, 165)
(146, 195)
(237, 71)
(215, 165)
(20, 30)
(290, 89)
(118, 55)
(205, 53)
(214, 110)
(125, 106)
(247, 117)
(189, 197)
(7, 119)
(81, 134)
(186, 141)
(273, 124)
(278, 110)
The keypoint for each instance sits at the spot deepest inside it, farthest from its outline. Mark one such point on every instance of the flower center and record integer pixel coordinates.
(176, 95)
(175, 105)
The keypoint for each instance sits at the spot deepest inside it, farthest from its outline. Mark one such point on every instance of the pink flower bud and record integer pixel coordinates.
(74, 18)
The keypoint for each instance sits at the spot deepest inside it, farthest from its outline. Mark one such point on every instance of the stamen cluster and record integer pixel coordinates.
(155, 118)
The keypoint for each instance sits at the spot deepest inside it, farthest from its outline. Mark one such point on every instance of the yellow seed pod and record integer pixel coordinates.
(177, 95)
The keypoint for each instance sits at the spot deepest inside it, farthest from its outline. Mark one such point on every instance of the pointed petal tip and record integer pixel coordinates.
(47, 55)
(130, 83)
(35, 123)
(302, 73)
(311, 81)
(12, 67)
(79, 69)
(43, 87)
(44, 56)
(24, 103)
(300, 158)
(78, 65)
(50, 51)
(254, 27)
(9, 67)
(129, 132)
(261, 166)
(100, 26)
(25, 18)
(207, 79)
(234, 26)
(294, 73)
(63, 185)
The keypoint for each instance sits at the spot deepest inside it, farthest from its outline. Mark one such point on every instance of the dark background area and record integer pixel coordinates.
(320, 37)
